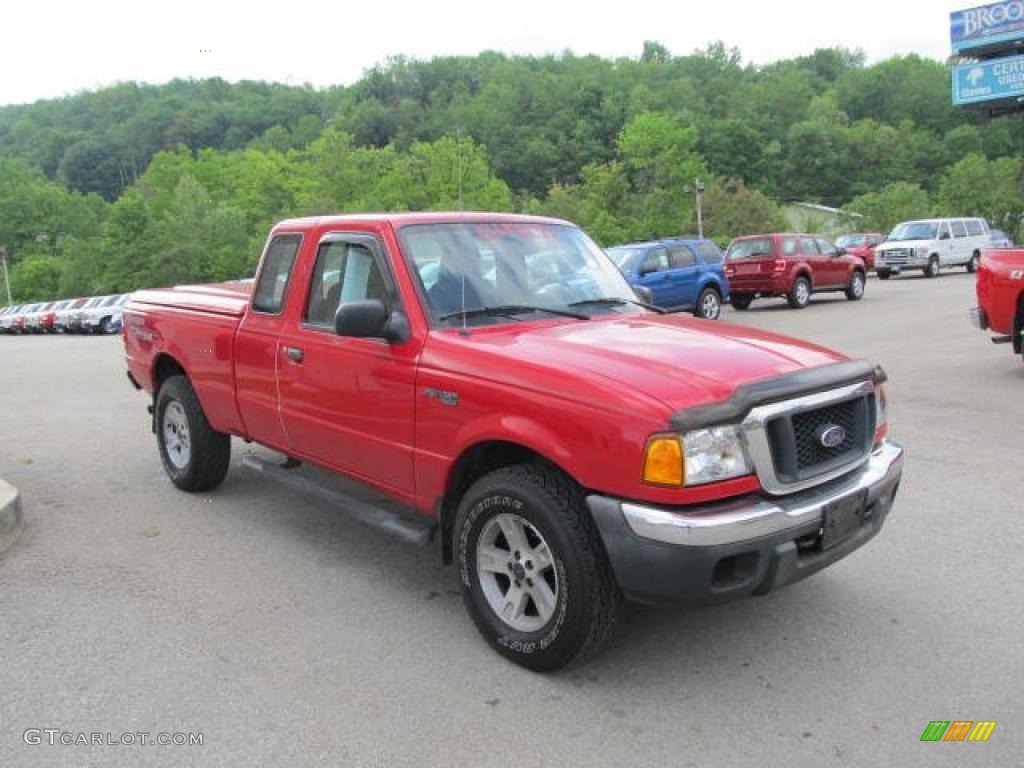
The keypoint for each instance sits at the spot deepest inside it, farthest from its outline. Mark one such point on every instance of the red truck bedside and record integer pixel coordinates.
(570, 446)
(1000, 290)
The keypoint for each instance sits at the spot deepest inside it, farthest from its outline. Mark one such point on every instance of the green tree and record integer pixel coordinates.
(731, 209)
(897, 202)
(993, 189)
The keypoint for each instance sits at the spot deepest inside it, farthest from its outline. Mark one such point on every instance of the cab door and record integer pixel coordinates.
(256, 343)
(348, 403)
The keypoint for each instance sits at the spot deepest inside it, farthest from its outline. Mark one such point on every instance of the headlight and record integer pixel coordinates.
(698, 457)
(714, 454)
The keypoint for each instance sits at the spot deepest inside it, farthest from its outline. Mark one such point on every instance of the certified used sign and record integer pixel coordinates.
(991, 80)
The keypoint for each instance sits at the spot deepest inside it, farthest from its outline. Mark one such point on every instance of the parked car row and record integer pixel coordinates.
(90, 314)
(692, 274)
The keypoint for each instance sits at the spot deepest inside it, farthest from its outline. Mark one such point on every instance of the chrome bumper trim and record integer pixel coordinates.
(752, 517)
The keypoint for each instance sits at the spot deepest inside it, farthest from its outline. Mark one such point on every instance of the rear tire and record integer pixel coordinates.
(972, 265)
(855, 288)
(741, 301)
(932, 270)
(709, 304)
(800, 294)
(535, 577)
(195, 455)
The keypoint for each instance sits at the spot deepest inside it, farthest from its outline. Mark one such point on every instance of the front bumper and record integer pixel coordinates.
(751, 545)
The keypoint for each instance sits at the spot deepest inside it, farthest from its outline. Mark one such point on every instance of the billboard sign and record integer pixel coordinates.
(989, 81)
(993, 26)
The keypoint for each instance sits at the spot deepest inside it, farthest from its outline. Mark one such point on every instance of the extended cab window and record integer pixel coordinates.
(959, 229)
(277, 268)
(974, 228)
(344, 272)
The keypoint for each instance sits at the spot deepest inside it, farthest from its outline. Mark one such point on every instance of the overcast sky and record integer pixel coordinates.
(52, 49)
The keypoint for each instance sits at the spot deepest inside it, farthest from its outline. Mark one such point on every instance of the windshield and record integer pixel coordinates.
(754, 248)
(915, 230)
(474, 265)
(852, 241)
(624, 257)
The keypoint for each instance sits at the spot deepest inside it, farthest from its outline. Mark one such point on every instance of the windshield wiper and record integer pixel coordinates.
(510, 310)
(617, 301)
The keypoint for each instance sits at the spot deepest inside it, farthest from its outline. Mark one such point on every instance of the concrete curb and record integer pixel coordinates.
(11, 524)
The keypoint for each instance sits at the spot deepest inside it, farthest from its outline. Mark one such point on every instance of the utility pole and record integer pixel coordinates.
(7, 277)
(698, 188)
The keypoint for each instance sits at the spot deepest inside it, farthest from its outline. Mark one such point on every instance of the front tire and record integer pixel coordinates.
(883, 274)
(800, 294)
(709, 304)
(535, 577)
(855, 288)
(195, 455)
(106, 326)
(932, 270)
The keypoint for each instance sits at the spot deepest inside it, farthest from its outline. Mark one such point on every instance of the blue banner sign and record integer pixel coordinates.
(992, 80)
(987, 26)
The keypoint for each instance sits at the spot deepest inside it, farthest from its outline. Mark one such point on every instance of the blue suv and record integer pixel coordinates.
(680, 273)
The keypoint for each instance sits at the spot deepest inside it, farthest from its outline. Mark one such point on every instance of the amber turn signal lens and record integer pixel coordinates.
(663, 461)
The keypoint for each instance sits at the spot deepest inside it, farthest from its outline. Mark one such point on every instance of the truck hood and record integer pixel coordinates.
(670, 362)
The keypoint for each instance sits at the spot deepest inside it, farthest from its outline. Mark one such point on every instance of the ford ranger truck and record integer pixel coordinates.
(569, 445)
(1000, 290)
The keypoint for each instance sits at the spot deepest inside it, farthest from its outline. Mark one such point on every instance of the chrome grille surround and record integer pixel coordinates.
(755, 431)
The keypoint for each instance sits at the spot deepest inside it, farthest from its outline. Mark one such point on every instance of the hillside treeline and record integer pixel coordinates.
(138, 185)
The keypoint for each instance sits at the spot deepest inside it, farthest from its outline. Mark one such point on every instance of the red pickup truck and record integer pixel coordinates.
(570, 446)
(1000, 290)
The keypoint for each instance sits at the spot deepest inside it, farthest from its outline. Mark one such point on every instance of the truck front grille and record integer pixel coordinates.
(799, 448)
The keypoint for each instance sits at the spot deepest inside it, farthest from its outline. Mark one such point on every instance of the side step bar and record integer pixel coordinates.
(404, 527)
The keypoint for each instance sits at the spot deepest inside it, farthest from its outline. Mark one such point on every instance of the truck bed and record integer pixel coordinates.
(196, 326)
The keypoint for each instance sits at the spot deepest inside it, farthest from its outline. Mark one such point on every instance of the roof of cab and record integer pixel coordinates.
(417, 217)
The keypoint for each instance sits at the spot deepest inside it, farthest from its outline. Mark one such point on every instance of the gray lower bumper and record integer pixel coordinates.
(750, 545)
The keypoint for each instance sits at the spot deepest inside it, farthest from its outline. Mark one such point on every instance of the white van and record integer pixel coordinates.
(931, 245)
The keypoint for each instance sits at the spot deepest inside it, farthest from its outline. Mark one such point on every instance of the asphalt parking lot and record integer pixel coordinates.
(289, 635)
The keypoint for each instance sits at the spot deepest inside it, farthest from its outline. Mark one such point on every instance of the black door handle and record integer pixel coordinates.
(294, 354)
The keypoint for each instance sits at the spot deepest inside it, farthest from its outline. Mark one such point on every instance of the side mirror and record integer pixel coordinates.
(370, 319)
(944, 236)
(644, 294)
(841, 252)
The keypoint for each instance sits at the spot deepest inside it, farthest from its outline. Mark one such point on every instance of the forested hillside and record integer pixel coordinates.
(139, 185)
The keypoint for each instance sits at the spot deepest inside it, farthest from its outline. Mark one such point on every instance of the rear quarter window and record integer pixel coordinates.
(974, 228)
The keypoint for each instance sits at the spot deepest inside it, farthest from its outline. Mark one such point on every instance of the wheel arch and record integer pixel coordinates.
(476, 460)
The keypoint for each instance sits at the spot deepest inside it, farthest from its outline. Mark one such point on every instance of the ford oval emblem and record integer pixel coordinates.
(831, 436)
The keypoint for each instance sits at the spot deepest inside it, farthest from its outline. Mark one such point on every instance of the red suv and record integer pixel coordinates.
(794, 266)
(862, 245)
